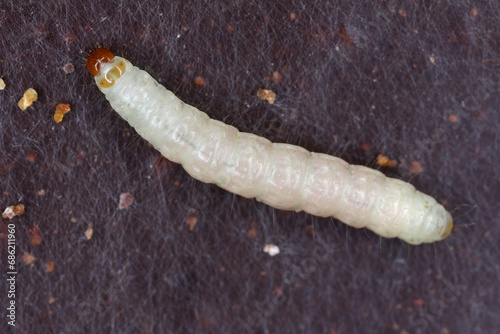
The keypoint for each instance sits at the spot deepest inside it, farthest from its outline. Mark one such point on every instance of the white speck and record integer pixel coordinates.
(271, 249)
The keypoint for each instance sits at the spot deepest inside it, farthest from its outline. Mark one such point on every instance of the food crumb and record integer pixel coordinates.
(385, 161)
(89, 232)
(69, 68)
(271, 249)
(61, 110)
(252, 233)
(418, 302)
(28, 98)
(36, 238)
(126, 200)
(266, 94)
(2, 84)
(192, 220)
(50, 266)
(276, 77)
(31, 157)
(416, 167)
(52, 300)
(28, 258)
(452, 118)
(13, 210)
(199, 81)
(364, 146)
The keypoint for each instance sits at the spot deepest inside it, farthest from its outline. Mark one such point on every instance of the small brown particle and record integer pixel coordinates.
(192, 220)
(2, 84)
(418, 302)
(474, 12)
(366, 146)
(52, 300)
(266, 94)
(416, 167)
(310, 230)
(385, 161)
(432, 59)
(229, 28)
(68, 38)
(293, 16)
(276, 77)
(61, 109)
(199, 81)
(31, 157)
(36, 238)
(252, 233)
(28, 98)
(89, 232)
(69, 68)
(402, 12)
(41, 192)
(453, 118)
(28, 258)
(13, 210)
(126, 200)
(50, 266)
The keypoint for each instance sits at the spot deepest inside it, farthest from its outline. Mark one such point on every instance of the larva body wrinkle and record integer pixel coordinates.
(284, 176)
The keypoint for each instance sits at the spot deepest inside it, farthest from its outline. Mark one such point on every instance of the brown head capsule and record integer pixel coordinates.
(96, 57)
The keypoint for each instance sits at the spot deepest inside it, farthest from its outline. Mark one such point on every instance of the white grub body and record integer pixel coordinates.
(284, 176)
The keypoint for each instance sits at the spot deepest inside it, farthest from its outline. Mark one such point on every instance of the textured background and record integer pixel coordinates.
(417, 82)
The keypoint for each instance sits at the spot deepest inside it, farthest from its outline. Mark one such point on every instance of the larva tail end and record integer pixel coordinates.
(96, 57)
(448, 229)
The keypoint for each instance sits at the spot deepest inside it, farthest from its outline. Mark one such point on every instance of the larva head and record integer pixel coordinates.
(96, 57)
(105, 67)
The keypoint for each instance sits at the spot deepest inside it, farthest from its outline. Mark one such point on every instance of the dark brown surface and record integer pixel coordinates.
(418, 83)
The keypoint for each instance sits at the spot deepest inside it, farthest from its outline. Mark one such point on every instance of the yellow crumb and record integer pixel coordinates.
(385, 161)
(61, 109)
(13, 210)
(266, 94)
(89, 233)
(28, 98)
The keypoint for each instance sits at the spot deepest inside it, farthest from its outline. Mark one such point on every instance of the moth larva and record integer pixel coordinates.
(284, 176)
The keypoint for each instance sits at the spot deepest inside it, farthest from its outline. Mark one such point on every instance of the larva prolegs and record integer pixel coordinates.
(282, 175)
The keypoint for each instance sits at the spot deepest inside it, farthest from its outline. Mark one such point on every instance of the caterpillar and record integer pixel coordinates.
(284, 176)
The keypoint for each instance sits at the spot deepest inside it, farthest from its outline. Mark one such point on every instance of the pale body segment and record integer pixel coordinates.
(284, 176)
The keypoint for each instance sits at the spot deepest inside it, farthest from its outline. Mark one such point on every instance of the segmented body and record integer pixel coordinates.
(284, 176)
